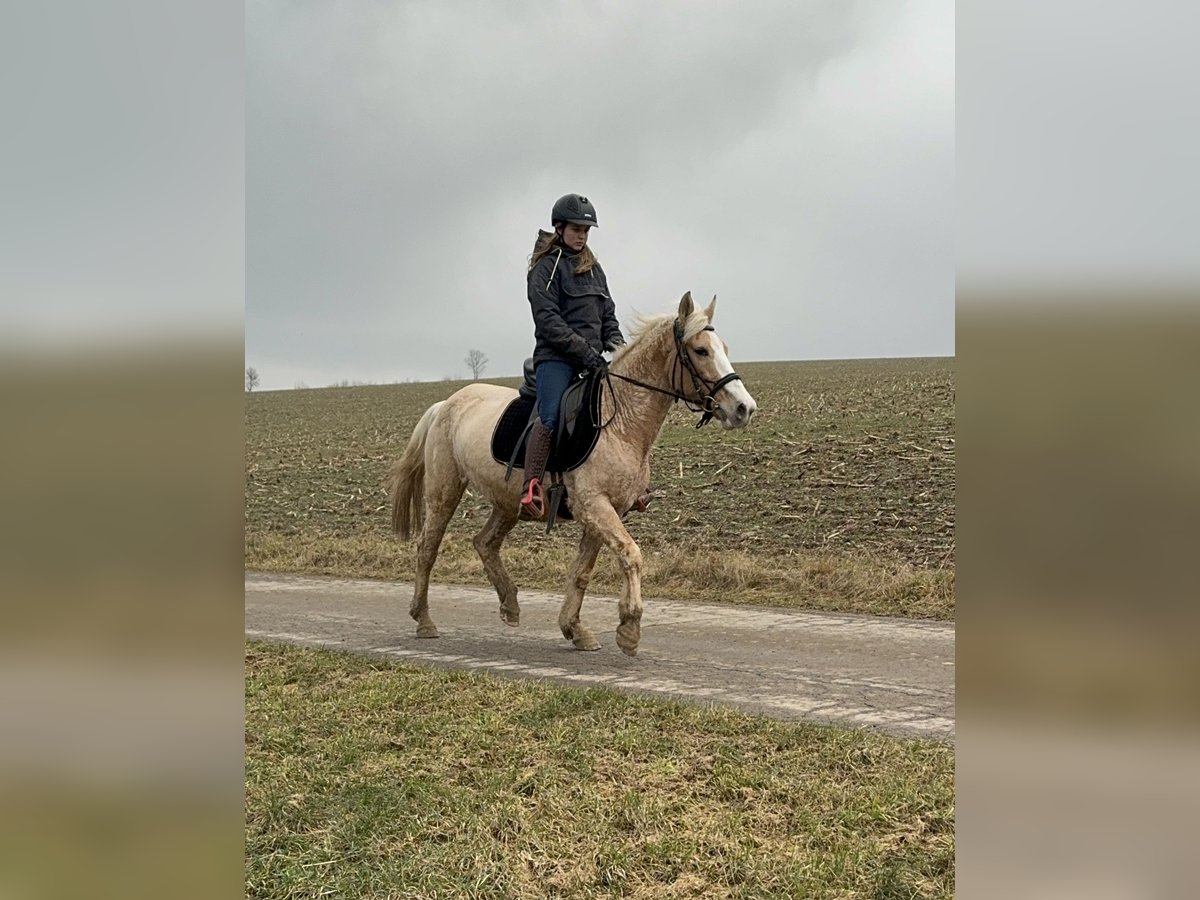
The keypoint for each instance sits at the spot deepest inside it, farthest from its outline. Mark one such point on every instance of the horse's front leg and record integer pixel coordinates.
(599, 516)
(577, 582)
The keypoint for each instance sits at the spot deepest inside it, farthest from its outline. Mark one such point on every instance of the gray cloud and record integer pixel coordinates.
(795, 159)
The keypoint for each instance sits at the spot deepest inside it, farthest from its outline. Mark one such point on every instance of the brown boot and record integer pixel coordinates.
(537, 451)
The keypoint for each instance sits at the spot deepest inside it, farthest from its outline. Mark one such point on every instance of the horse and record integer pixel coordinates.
(450, 449)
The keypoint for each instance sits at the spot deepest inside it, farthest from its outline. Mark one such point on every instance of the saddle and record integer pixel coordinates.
(574, 438)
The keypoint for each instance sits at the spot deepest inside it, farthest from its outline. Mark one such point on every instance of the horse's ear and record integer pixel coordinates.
(686, 307)
(711, 308)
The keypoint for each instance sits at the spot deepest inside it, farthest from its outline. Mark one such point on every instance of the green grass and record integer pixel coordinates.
(840, 496)
(371, 779)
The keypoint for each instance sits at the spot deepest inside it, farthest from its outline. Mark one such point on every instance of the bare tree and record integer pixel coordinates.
(251, 378)
(476, 362)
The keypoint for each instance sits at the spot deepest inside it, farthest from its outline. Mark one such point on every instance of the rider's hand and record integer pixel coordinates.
(597, 362)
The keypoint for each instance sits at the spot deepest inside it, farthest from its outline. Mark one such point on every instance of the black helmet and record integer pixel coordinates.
(573, 208)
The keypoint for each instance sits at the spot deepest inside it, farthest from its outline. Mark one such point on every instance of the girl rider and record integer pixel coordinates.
(574, 320)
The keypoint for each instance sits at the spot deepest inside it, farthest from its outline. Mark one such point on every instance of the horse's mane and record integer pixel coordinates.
(646, 325)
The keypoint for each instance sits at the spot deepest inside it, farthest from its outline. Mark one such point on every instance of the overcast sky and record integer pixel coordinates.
(796, 159)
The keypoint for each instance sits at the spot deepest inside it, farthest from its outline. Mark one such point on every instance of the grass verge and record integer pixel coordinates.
(368, 778)
(797, 580)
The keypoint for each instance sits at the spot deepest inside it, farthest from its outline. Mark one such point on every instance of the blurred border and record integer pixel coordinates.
(121, 380)
(1078, 333)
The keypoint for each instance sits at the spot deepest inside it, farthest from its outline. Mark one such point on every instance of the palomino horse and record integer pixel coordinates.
(451, 448)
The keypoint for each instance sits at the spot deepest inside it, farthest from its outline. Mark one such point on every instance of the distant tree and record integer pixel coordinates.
(476, 362)
(251, 378)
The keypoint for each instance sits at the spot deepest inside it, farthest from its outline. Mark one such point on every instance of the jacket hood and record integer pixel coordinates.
(550, 236)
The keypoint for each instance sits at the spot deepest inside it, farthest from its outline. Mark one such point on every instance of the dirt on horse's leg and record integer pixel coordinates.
(577, 582)
(427, 550)
(487, 545)
(443, 490)
(604, 519)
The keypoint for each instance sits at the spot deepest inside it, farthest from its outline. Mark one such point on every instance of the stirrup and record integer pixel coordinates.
(556, 494)
(533, 501)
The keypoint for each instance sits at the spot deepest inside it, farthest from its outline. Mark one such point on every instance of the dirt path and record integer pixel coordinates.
(893, 675)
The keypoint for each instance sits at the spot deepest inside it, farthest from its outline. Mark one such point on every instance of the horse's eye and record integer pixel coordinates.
(700, 351)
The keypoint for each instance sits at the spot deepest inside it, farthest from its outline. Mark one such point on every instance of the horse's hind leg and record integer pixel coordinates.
(443, 489)
(487, 544)
(577, 582)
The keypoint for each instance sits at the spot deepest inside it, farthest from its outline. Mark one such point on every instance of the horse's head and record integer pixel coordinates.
(712, 384)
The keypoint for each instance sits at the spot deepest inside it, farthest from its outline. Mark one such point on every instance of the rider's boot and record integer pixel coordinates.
(537, 451)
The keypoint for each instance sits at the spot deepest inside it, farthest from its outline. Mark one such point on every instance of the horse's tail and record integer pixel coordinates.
(406, 484)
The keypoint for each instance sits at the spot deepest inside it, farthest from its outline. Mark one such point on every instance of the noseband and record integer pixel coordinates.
(708, 402)
(706, 391)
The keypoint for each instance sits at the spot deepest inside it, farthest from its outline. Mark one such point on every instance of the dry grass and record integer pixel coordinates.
(812, 581)
(839, 497)
(373, 779)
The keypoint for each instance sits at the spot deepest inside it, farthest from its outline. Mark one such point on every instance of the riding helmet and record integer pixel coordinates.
(573, 208)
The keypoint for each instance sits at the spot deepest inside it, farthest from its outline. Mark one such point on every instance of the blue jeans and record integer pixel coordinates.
(553, 377)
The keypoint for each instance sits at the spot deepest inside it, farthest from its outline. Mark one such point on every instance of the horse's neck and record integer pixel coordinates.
(640, 413)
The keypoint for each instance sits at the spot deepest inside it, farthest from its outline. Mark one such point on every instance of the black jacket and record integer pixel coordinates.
(574, 318)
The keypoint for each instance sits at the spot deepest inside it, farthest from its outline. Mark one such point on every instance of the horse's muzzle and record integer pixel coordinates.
(736, 414)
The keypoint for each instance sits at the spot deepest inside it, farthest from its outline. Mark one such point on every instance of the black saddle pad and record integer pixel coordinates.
(577, 433)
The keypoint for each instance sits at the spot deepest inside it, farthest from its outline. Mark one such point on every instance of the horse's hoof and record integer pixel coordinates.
(427, 631)
(628, 637)
(510, 619)
(585, 640)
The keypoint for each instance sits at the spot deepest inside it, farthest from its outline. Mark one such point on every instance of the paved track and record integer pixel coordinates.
(892, 675)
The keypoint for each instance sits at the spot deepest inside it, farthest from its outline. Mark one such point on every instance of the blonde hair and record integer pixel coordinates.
(548, 240)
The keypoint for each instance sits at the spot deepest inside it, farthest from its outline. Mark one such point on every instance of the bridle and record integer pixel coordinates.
(706, 391)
